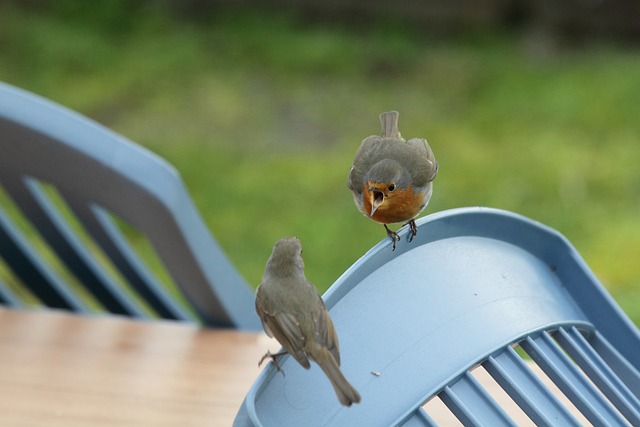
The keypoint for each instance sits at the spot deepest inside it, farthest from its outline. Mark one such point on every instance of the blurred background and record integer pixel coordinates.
(529, 106)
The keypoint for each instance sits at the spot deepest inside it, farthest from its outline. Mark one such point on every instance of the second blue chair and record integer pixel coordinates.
(70, 186)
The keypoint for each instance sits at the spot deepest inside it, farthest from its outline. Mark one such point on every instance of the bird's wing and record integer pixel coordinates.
(354, 181)
(426, 168)
(366, 156)
(262, 311)
(325, 332)
(285, 328)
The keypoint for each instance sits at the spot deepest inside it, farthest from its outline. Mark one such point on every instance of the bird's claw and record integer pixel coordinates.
(414, 229)
(393, 235)
(274, 358)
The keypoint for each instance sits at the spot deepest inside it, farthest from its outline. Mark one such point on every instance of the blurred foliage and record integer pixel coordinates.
(262, 113)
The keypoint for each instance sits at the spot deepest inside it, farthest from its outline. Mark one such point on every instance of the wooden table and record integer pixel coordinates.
(59, 369)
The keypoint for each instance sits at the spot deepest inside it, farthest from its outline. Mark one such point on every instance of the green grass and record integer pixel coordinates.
(262, 116)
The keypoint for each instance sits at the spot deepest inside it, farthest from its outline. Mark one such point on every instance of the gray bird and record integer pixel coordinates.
(293, 312)
(391, 179)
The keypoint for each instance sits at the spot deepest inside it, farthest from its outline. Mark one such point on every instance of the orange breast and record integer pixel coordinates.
(399, 206)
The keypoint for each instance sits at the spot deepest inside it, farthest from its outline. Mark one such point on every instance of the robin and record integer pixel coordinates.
(293, 312)
(392, 179)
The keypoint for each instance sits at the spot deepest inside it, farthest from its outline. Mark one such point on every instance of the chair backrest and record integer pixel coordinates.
(473, 286)
(74, 194)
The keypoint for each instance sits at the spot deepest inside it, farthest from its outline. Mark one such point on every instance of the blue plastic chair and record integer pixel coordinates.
(474, 285)
(69, 185)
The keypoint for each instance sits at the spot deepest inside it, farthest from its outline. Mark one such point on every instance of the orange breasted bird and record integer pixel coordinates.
(392, 179)
(292, 312)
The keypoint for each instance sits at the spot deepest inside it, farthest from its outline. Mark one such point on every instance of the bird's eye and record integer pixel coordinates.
(392, 187)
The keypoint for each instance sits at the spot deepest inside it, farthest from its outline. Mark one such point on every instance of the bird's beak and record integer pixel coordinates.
(377, 197)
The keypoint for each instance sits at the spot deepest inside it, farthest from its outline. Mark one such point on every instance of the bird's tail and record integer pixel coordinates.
(345, 391)
(389, 122)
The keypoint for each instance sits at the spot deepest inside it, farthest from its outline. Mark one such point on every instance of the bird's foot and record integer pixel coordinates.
(393, 235)
(414, 229)
(274, 357)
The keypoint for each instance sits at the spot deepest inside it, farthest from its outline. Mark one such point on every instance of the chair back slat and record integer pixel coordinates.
(472, 405)
(101, 227)
(419, 419)
(571, 381)
(56, 230)
(527, 390)
(617, 362)
(613, 387)
(7, 297)
(28, 266)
